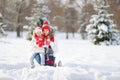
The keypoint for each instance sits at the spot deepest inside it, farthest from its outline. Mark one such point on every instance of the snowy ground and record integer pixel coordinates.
(81, 61)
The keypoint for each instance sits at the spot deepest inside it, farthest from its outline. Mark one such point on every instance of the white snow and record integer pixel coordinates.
(81, 60)
(103, 27)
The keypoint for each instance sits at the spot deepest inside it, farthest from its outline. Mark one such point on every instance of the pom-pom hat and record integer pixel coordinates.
(38, 29)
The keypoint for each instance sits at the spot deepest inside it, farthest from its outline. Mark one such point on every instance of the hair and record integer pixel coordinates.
(51, 33)
(34, 34)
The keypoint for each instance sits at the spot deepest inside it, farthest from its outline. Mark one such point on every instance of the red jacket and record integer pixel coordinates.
(43, 40)
(46, 40)
(39, 40)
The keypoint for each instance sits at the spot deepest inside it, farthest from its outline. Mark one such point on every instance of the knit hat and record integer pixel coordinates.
(46, 28)
(38, 29)
(46, 23)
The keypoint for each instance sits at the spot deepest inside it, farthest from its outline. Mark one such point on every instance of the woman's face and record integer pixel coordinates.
(46, 32)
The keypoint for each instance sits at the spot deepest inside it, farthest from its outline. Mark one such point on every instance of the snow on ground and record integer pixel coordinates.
(81, 60)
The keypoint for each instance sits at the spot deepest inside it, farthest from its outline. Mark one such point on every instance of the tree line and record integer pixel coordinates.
(69, 16)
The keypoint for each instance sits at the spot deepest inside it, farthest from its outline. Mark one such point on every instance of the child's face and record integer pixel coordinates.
(38, 33)
(46, 32)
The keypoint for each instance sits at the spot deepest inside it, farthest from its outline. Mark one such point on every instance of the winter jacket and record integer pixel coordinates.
(39, 40)
(50, 42)
(37, 44)
(46, 40)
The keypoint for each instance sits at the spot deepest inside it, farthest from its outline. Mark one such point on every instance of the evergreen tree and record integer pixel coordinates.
(101, 29)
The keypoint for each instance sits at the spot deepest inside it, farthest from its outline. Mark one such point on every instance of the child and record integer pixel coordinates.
(46, 37)
(48, 42)
(37, 43)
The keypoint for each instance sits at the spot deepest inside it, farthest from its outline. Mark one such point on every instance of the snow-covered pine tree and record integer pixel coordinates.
(39, 13)
(101, 29)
